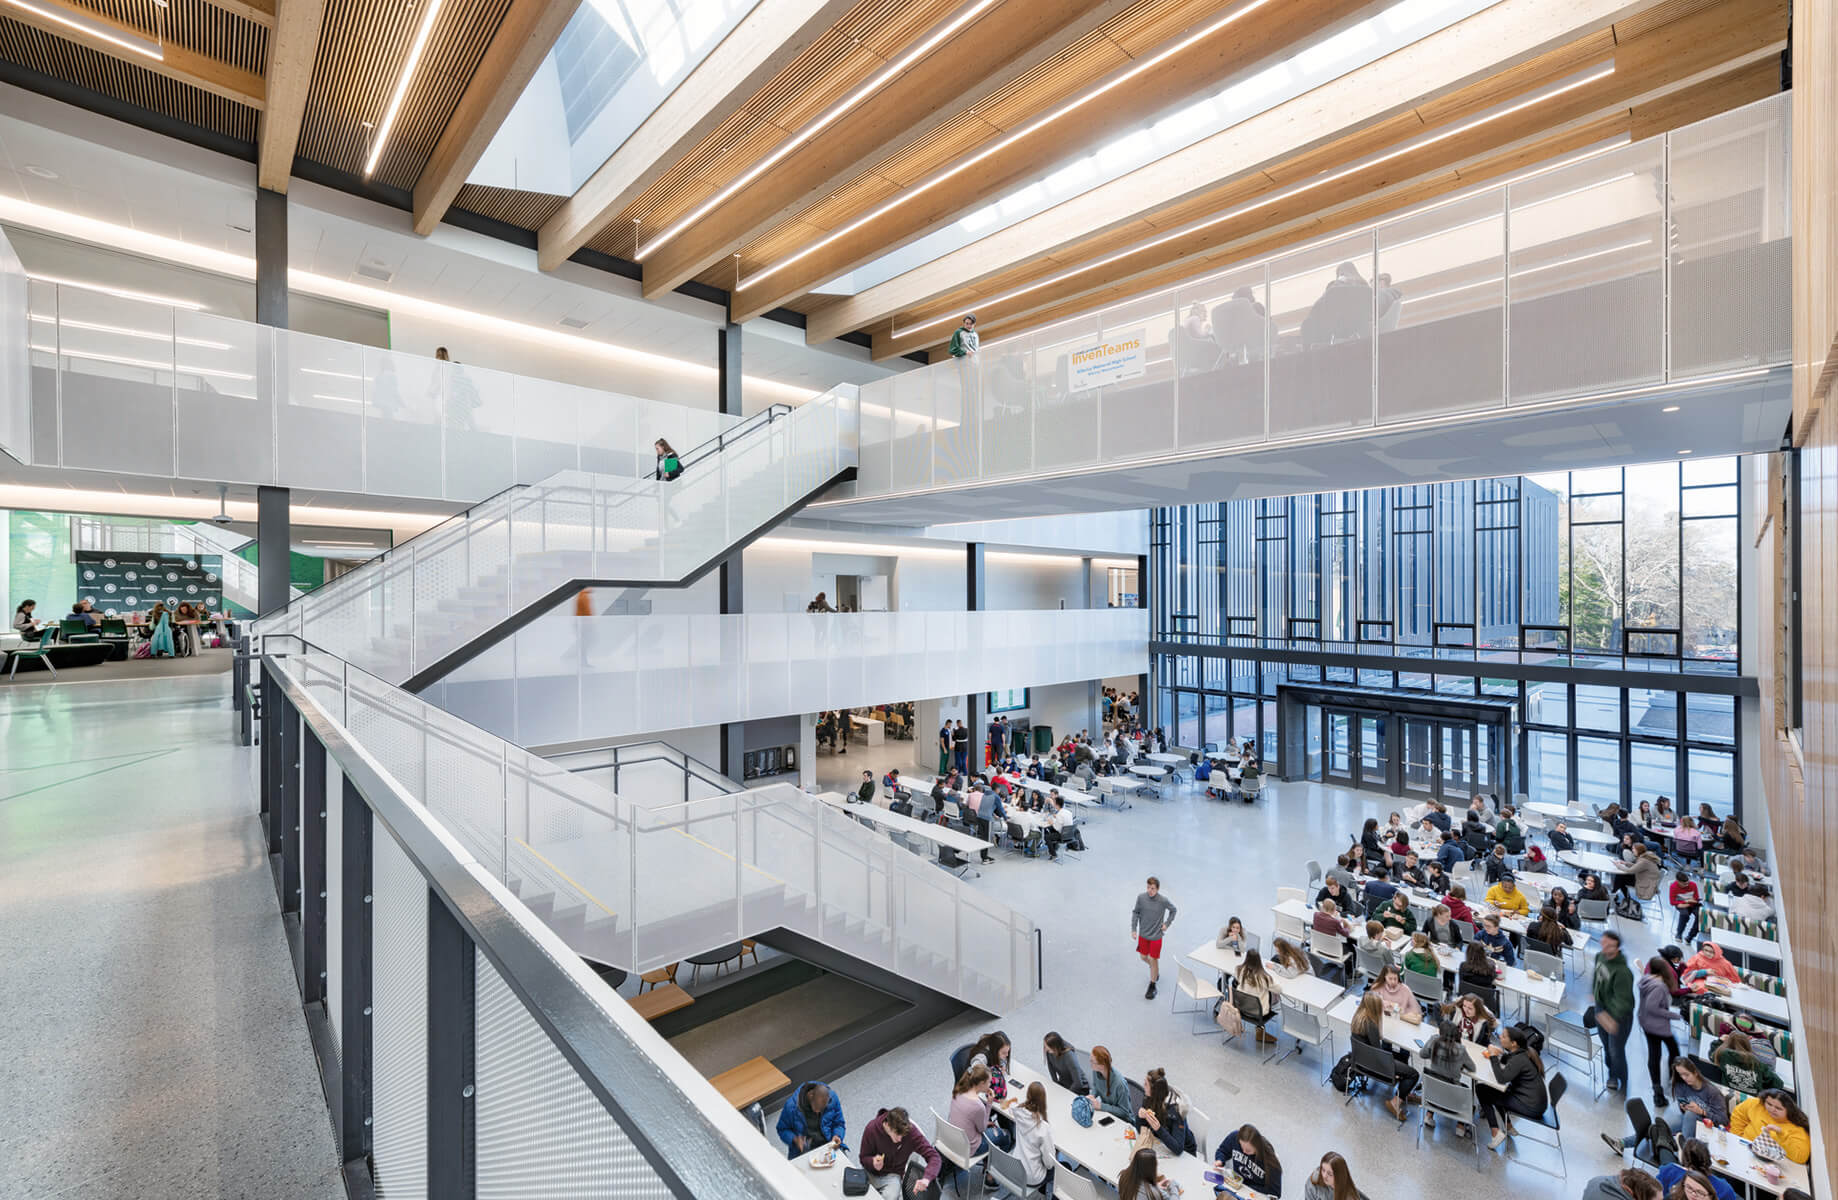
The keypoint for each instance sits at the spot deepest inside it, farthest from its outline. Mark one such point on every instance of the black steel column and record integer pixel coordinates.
(273, 547)
(728, 401)
(274, 703)
(353, 1111)
(976, 590)
(290, 804)
(1145, 711)
(450, 1055)
(270, 258)
(312, 872)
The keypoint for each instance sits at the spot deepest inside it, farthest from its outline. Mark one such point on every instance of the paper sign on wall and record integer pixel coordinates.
(1123, 355)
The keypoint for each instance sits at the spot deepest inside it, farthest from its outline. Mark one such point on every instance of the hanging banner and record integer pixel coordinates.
(1121, 356)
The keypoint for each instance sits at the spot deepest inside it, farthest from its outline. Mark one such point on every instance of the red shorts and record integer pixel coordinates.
(1150, 949)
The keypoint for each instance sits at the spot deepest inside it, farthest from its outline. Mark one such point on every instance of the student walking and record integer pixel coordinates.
(1612, 989)
(1149, 921)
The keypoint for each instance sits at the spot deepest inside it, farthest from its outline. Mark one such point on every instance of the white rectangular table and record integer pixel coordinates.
(1745, 944)
(1588, 860)
(1742, 1164)
(826, 1180)
(1707, 1041)
(1762, 1004)
(1067, 794)
(873, 729)
(938, 835)
(1103, 1149)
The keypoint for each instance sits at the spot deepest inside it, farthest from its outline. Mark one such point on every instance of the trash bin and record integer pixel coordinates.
(1043, 738)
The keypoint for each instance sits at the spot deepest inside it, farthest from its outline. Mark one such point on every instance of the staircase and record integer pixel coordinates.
(415, 612)
(625, 884)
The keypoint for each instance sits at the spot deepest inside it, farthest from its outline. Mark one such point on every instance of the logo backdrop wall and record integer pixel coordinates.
(120, 583)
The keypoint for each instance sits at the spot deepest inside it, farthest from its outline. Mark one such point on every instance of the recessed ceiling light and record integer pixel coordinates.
(1670, 408)
(41, 172)
(1684, 452)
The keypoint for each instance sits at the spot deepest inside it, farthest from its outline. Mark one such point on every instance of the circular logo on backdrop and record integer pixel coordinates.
(210, 602)
(172, 577)
(209, 578)
(153, 564)
(172, 602)
(191, 589)
(190, 565)
(108, 589)
(131, 576)
(89, 575)
(108, 562)
(152, 588)
(109, 612)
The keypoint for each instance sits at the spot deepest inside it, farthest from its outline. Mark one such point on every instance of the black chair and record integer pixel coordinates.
(1326, 968)
(1254, 1011)
(1139, 1095)
(1373, 1063)
(1532, 943)
(1490, 996)
(1555, 1088)
(1477, 840)
(960, 1061)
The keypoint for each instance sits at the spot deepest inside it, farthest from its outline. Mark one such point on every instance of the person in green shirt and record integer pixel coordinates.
(1611, 986)
(964, 339)
(1421, 958)
(1508, 828)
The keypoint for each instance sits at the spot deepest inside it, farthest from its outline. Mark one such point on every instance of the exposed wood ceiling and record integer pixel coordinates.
(744, 178)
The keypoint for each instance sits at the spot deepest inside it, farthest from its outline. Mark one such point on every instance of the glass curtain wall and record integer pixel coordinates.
(1624, 568)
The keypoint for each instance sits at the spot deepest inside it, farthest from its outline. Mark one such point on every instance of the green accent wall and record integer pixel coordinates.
(38, 565)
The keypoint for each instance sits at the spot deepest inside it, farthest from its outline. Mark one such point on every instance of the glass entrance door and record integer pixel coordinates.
(1342, 761)
(1458, 768)
(1419, 756)
(1374, 752)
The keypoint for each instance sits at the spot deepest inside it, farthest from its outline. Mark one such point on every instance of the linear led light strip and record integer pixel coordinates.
(1034, 126)
(415, 51)
(111, 290)
(1274, 198)
(1562, 262)
(151, 364)
(67, 323)
(829, 117)
(95, 29)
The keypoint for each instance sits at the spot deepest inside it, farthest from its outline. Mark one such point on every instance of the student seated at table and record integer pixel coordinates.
(1687, 838)
(1142, 1178)
(1441, 928)
(1034, 1138)
(1420, 957)
(1495, 865)
(1563, 903)
(1372, 941)
(1398, 915)
(1286, 960)
(1547, 935)
(1477, 966)
(1452, 853)
(1391, 989)
(1435, 879)
(1499, 947)
(1413, 872)
(1063, 1064)
(1446, 1057)
(1629, 1184)
(1249, 1155)
(1438, 816)
(1475, 827)
(811, 1117)
(1691, 1177)
(1517, 1085)
(1379, 889)
(973, 1110)
(1233, 937)
(1163, 1114)
(1775, 1113)
(1475, 1020)
(1694, 1097)
(1062, 828)
(1372, 846)
(1110, 1091)
(1743, 1067)
(1560, 837)
(1456, 901)
(992, 1052)
(1756, 904)
(889, 1143)
(1331, 1180)
(1708, 964)
(1664, 815)
(1506, 896)
(1327, 920)
(1333, 890)
(1256, 982)
(1369, 1028)
(1342, 872)
(1203, 770)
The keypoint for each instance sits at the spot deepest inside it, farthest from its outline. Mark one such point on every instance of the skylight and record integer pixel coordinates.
(1266, 87)
(614, 63)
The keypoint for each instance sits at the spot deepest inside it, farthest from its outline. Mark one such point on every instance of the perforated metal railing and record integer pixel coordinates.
(466, 1048)
(405, 612)
(1663, 261)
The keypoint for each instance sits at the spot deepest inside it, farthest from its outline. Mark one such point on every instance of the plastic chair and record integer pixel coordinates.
(1333, 972)
(1427, 988)
(1307, 1029)
(1555, 1088)
(954, 1146)
(1490, 996)
(1545, 964)
(1070, 1185)
(1592, 912)
(1291, 928)
(1007, 1170)
(41, 652)
(1314, 877)
(1203, 994)
(1291, 893)
(960, 1061)
(1252, 1010)
(1452, 1100)
(1366, 963)
(1374, 1063)
(1564, 1035)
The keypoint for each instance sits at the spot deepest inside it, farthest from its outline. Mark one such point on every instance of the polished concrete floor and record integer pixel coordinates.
(1216, 861)
(151, 1042)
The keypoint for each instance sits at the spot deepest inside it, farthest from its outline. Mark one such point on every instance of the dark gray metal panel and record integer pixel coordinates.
(273, 547)
(353, 1113)
(452, 1011)
(976, 598)
(727, 369)
(270, 259)
(313, 869)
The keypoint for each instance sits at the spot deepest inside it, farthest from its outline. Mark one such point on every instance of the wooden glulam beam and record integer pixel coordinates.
(767, 40)
(1656, 110)
(262, 12)
(292, 50)
(87, 27)
(523, 41)
(1493, 40)
(1237, 48)
(984, 45)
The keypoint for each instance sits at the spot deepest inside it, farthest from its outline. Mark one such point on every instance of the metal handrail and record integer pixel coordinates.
(719, 442)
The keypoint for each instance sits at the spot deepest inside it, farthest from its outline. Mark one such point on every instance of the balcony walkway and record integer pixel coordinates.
(152, 1043)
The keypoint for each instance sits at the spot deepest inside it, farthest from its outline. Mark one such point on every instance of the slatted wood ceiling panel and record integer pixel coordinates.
(361, 53)
(189, 23)
(845, 56)
(1145, 26)
(526, 210)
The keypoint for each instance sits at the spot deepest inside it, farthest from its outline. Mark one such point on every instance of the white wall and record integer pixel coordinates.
(1066, 707)
(1033, 581)
(1120, 534)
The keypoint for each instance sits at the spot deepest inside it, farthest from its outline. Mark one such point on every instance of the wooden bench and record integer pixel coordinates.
(752, 1080)
(666, 998)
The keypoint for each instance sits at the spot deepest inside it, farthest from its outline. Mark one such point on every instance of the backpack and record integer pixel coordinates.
(1081, 1110)
(1343, 1078)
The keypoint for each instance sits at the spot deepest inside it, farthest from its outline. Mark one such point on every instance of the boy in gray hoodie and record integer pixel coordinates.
(1149, 920)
